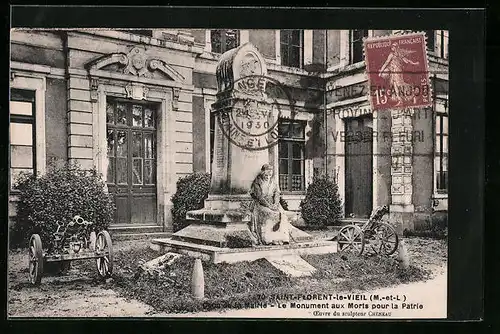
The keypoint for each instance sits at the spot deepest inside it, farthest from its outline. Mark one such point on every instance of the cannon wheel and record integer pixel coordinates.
(351, 238)
(35, 259)
(387, 238)
(104, 263)
(91, 241)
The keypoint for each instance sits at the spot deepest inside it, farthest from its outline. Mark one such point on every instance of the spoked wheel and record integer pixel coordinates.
(351, 239)
(387, 238)
(35, 259)
(91, 241)
(103, 246)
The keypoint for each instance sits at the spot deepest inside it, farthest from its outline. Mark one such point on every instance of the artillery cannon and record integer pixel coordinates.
(376, 233)
(73, 240)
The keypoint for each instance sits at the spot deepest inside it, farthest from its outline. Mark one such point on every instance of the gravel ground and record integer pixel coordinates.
(79, 293)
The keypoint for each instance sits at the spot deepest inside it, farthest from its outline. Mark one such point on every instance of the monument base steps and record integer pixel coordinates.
(219, 235)
(233, 255)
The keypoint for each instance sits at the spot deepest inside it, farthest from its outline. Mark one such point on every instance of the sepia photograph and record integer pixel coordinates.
(222, 173)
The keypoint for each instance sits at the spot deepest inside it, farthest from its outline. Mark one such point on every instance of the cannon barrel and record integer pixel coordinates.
(72, 227)
(79, 220)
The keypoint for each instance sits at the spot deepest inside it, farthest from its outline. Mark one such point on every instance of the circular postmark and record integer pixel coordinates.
(249, 117)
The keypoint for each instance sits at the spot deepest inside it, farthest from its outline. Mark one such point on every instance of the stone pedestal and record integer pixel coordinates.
(223, 222)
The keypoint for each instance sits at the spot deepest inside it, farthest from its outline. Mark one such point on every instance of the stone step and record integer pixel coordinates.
(292, 265)
(232, 255)
(139, 236)
(134, 229)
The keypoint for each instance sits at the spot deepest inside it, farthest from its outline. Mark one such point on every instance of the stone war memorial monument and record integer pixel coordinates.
(242, 219)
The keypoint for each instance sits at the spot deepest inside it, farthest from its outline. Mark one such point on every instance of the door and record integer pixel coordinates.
(131, 179)
(358, 166)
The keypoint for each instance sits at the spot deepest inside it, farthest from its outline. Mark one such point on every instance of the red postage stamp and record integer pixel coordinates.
(398, 74)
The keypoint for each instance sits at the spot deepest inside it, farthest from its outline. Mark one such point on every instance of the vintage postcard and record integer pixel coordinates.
(268, 173)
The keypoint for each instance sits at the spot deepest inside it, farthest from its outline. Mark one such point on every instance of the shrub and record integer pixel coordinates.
(322, 205)
(439, 222)
(438, 229)
(56, 197)
(192, 190)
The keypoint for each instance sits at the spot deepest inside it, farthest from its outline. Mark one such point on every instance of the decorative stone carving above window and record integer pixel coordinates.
(175, 99)
(157, 64)
(137, 91)
(94, 86)
(137, 63)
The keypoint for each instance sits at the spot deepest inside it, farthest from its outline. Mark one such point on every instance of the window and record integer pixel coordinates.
(357, 45)
(441, 153)
(291, 155)
(223, 40)
(22, 133)
(131, 145)
(437, 42)
(147, 33)
(442, 36)
(291, 48)
(431, 41)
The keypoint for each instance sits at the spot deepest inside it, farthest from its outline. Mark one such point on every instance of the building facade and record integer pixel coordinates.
(135, 104)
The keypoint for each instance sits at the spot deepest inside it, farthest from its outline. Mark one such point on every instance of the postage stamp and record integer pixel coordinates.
(397, 69)
(251, 116)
